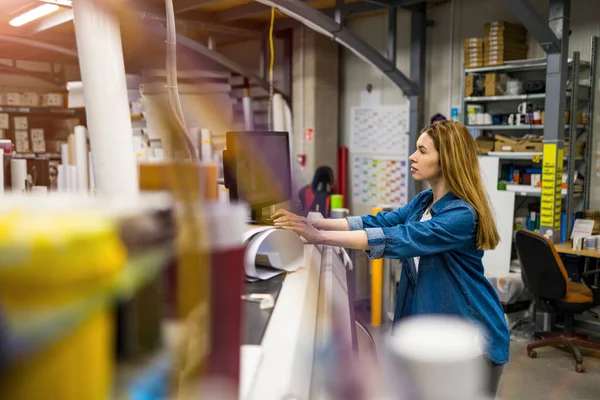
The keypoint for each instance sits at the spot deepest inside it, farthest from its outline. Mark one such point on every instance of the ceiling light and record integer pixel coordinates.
(34, 14)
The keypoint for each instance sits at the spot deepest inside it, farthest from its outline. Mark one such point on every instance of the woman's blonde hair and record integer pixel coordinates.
(460, 169)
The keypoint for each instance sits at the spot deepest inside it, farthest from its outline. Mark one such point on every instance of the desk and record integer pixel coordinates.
(567, 248)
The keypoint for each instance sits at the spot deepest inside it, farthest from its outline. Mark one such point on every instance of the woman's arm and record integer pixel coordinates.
(340, 224)
(351, 240)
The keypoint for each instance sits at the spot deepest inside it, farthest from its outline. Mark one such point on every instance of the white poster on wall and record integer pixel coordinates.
(379, 155)
(380, 130)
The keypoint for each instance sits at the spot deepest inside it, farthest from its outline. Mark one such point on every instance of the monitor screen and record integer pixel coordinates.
(257, 167)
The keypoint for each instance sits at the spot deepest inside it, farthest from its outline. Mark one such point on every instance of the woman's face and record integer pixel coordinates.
(425, 161)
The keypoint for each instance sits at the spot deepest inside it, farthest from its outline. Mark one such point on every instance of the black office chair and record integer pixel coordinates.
(546, 278)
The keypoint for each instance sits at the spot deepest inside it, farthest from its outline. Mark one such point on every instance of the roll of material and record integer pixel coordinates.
(72, 176)
(337, 201)
(223, 194)
(195, 136)
(278, 114)
(18, 175)
(64, 154)
(248, 113)
(441, 349)
(62, 180)
(91, 172)
(81, 158)
(1, 172)
(71, 143)
(206, 146)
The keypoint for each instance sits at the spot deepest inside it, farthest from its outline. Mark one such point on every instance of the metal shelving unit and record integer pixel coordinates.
(579, 92)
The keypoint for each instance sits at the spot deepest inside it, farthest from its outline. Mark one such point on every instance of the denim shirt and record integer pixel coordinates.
(450, 279)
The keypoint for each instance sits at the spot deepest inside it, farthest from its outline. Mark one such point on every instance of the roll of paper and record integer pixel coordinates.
(91, 172)
(1, 172)
(278, 114)
(81, 158)
(72, 176)
(62, 178)
(18, 175)
(64, 154)
(71, 142)
(195, 136)
(206, 145)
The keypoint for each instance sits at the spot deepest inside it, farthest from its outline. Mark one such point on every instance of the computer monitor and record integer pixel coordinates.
(257, 169)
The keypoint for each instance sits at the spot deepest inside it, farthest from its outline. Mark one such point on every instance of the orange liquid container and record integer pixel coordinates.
(54, 263)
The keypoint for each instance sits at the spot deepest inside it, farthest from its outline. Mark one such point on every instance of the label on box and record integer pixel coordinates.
(37, 134)
(20, 123)
(30, 99)
(11, 99)
(22, 146)
(21, 135)
(4, 121)
(38, 146)
(52, 100)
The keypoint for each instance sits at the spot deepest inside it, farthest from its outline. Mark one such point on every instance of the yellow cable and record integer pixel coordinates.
(271, 67)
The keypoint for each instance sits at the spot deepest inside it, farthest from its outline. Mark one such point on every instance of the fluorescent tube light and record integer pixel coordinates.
(34, 14)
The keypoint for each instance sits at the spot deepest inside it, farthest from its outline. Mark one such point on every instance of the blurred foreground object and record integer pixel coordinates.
(436, 358)
(66, 259)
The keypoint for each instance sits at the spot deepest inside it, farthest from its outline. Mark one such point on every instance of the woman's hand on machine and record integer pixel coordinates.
(300, 225)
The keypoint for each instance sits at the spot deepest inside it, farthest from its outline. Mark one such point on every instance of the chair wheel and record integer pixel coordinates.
(532, 354)
(580, 368)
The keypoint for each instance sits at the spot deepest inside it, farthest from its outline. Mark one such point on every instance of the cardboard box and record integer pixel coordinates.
(504, 26)
(579, 148)
(53, 100)
(37, 134)
(4, 121)
(495, 84)
(535, 145)
(38, 146)
(20, 123)
(3, 133)
(485, 144)
(22, 146)
(504, 143)
(21, 135)
(474, 85)
(473, 42)
(10, 99)
(30, 99)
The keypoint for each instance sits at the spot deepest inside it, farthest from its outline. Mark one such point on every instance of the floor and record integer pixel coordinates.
(550, 376)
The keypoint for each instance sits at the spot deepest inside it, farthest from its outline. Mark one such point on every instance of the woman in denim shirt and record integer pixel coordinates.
(440, 236)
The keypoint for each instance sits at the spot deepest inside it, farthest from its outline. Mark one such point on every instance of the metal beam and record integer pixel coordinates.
(241, 12)
(347, 10)
(220, 59)
(537, 27)
(554, 124)
(323, 24)
(39, 44)
(418, 41)
(182, 6)
(392, 38)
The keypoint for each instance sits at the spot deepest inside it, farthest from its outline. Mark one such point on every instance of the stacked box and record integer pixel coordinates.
(503, 42)
(495, 84)
(474, 85)
(38, 144)
(473, 54)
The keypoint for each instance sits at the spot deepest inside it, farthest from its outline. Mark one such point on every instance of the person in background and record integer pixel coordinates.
(437, 118)
(440, 236)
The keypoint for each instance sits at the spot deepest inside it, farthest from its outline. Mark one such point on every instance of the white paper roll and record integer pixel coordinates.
(72, 176)
(159, 154)
(81, 158)
(64, 154)
(195, 136)
(91, 172)
(206, 144)
(278, 106)
(18, 175)
(1, 172)
(223, 194)
(248, 113)
(62, 180)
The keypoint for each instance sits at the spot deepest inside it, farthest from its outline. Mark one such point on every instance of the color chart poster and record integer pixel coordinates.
(379, 180)
(380, 130)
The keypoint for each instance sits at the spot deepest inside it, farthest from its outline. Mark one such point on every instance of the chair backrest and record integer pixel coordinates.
(544, 272)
